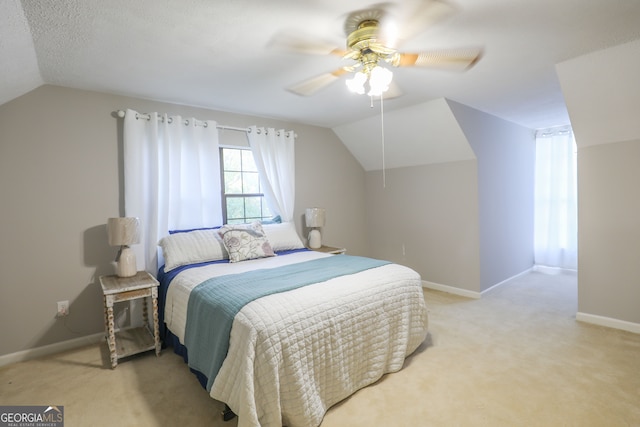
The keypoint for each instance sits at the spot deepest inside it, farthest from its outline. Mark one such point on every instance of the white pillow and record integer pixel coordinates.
(283, 236)
(191, 248)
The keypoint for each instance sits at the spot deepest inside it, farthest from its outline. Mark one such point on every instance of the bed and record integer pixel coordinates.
(283, 333)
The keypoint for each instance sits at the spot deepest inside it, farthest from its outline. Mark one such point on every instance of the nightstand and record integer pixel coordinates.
(134, 340)
(330, 250)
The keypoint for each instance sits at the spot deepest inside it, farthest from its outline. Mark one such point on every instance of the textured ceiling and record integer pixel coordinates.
(215, 54)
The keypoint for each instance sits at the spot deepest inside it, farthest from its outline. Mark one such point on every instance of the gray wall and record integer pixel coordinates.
(609, 231)
(505, 154)
(61, 178)
(601, 90)
(464, 224)
(431, 211)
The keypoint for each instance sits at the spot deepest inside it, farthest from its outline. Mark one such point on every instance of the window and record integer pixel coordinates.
(242, 196)
(556, 218)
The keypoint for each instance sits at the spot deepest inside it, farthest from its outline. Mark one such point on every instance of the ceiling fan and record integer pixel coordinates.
(373, 35)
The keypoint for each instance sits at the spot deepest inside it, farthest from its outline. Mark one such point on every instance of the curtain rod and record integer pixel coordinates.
(557, 130)
(121, 114)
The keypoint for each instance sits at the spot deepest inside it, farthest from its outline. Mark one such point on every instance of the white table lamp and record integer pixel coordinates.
(124, 232)
(314, 218)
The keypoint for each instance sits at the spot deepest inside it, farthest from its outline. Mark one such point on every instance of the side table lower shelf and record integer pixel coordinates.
(132, 341)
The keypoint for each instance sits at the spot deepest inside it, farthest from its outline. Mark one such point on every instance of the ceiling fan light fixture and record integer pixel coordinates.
(379, 80)
(356, 84)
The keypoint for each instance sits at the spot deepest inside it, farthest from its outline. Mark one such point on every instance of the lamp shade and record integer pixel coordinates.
(123, 231)
(314, 217)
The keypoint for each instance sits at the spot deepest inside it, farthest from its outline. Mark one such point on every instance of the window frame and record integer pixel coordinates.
(264, 207)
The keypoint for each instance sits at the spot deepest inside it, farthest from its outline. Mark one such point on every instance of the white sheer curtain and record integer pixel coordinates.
(274, 154)
(556, 219)
(171, 177)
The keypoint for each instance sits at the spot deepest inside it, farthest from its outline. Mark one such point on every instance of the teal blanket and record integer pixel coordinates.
(214, 303)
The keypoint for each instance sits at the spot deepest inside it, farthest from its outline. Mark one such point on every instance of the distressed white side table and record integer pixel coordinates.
(129, 341)
(330, 250)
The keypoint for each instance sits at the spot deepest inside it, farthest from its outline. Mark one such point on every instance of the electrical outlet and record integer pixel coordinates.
(63, 308)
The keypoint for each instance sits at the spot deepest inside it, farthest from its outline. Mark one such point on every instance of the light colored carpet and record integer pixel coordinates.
(516, 357)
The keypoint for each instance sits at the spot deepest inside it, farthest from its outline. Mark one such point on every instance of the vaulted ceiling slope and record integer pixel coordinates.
(615, 117)
(428, 133)
(216, 54)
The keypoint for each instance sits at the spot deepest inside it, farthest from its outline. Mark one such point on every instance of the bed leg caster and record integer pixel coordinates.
(227, 414)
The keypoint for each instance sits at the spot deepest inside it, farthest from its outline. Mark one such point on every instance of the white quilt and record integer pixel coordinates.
(294, 354)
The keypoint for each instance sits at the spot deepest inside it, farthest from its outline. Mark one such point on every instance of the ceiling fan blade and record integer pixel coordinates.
(300, 43)
(447, 59)
(311, 86)
(405, 22)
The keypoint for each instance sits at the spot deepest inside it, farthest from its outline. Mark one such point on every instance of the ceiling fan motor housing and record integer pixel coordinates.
(364, 35)
(363, 42)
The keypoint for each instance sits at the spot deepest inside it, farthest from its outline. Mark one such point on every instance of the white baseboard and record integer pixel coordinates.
(465, 292)
(34, 353)
(527, 271)
(553, 270)
(451, 290)
(609, 322)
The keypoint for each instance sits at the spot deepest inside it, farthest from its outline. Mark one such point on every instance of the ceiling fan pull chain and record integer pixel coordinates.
(384, 177)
